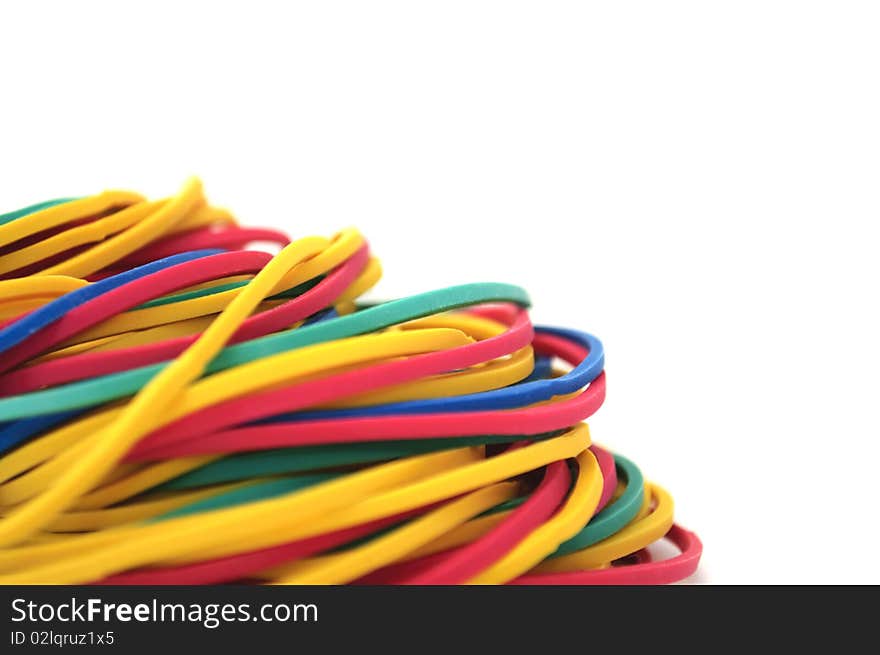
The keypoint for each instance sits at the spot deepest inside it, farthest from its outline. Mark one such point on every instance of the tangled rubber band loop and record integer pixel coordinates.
(177, 407)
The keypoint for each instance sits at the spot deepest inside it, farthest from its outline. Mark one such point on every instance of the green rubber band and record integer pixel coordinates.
(88, 393)
(295, 460)
(249, 494)
(293, 292)
(610, 520)
(32, 209)
(615, 516)
(310, 458)
(189, 295)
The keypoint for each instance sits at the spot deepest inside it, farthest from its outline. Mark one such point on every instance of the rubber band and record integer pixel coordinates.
(80, 235)
(642, 573)
(178, 409)
(613, 517)
(580, 349)
(116, 386)
(101, 363)
(582, 501)
(314, 502)
(340, 248)
(532, 420)
(258, 374)
(106, 252)
(46, 285)
(111, 444)
(297, 460)
(188, 534)
(529, 421)
(8, 217)
(14, 334)
(435, 563)
(215, 417)
(239, 566)
(458, 566)
(635, 536)
(225, 238)
(35, 219)
(349, 565)
(127, 295)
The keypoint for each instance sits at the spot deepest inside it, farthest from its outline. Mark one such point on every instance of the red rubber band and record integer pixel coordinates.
(185, 436)
(205, 238)
(234, 567)
(460, 564)
(52, 260)
(647, 573)
(530, 420)
(503, 312)
(131, 295)
(190, 431)
(609, 475)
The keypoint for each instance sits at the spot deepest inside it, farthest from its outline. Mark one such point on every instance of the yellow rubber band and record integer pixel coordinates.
(337, 251)
(101, 519)
(163, 218)
(299, 515)
(581, 502)
(139, 482)
(73, 509)
(112, 551)
(92, 232)
(255, 375)
(352, 564)
(67, 212)
(44, 285)
(133, 422)
(635, 536)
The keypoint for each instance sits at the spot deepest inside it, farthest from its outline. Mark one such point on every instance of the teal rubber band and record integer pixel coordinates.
(615, 516)
(189, 295)
(610, 520)
(88, 393)
(293, 292)
(32, 209)
(296, 460)
(309, 458)
(249, 494)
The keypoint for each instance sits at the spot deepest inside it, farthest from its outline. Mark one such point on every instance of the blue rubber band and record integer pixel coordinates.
(125, 383)
(15, 432)
(325, 315)
(518, 395)
(543, 368)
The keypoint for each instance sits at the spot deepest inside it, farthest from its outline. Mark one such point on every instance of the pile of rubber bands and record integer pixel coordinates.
(176, 408)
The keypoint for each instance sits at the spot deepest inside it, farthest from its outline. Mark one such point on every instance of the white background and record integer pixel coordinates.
(694, 182)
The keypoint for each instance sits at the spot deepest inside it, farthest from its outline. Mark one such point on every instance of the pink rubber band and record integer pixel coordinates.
(647, 573)
(240, 565)
(609, 475)
(460, 564)
(131, 295)
(189, 431)
(443, 567)
(228, 238)
(531, 420)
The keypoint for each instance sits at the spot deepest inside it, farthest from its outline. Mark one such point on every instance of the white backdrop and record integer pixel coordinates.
(696, 183)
